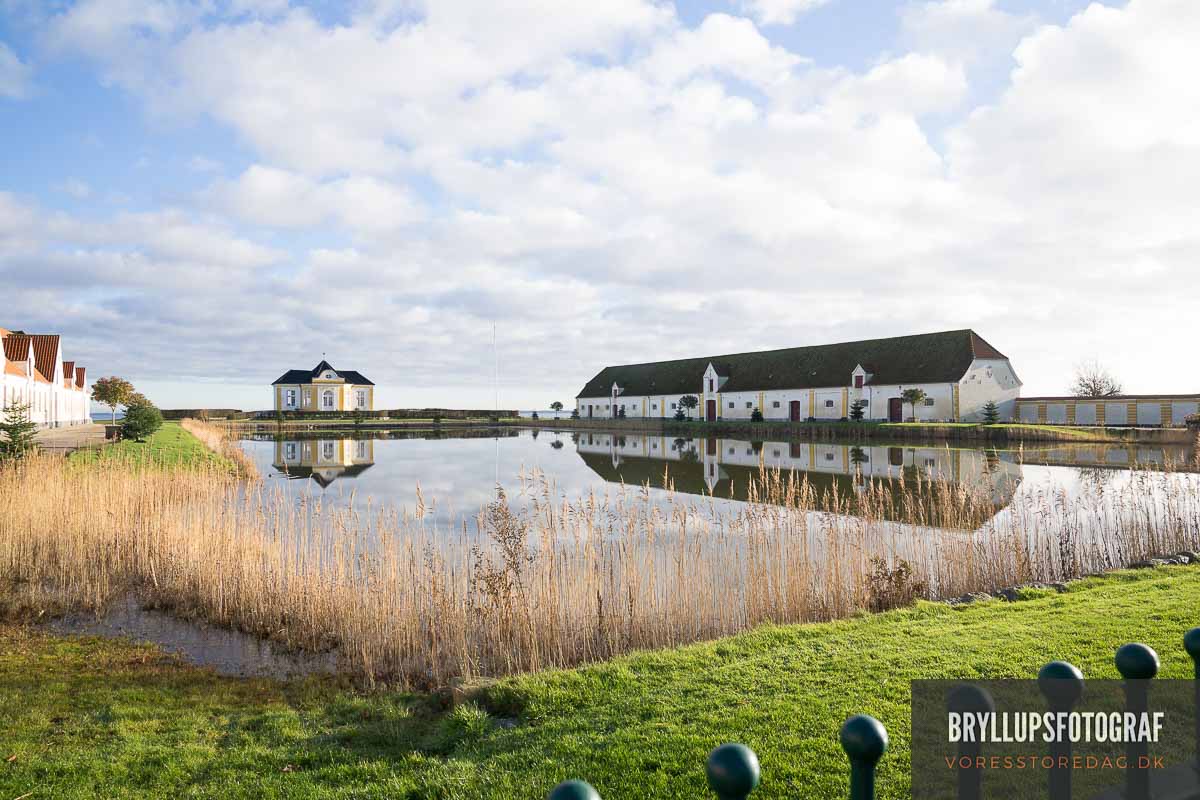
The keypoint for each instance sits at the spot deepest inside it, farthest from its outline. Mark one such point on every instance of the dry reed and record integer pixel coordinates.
(221, 440)
(553, 582)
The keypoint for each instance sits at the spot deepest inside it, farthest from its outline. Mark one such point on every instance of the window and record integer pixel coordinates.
(672, 406)
(775, 453)
(732, 451)
(327, 399)
(774, 404)
(929, 462)
(710, 388)
(829, 456)
(749, 405)
(829, 404)
(362, 398)
(858, 381)
(633, 407)
(327, 450)
(731, 404)
(290, 397)
(289, 451)
(362, 449)
(654, 406)
(929, 401)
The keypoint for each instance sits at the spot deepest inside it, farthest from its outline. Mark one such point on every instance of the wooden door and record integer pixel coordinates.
(895, 409)
(712, 411)
(794, 411)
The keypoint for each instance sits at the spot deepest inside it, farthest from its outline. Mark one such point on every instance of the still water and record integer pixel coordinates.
(455, 475)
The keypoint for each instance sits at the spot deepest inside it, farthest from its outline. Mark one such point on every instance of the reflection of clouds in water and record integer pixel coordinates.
(458, 476)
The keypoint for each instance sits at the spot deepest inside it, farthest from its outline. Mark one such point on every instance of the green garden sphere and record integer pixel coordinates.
(573, 790)
(1191, 643)
(1061, 683)
(732, 770)
(864, 738)
(1136, 662)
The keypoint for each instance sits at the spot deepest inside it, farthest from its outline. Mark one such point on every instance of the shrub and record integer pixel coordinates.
(141, 420)
(858, 410)
(19, 433)
(534, 416)
(574, 413)
(756, 415)
(679, 415)
(893, 587)
(991, 413)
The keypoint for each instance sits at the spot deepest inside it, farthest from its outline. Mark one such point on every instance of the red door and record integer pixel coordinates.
(712, 411)
(895, 409)
(794, 409)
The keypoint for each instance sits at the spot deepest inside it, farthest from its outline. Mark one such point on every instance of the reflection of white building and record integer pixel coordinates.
(324, 460)
(958, 371)
(726, 467)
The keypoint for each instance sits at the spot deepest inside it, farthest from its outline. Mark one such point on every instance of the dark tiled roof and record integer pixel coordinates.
(922, 358)
(45, 347)
(306, 375)
(16, 347)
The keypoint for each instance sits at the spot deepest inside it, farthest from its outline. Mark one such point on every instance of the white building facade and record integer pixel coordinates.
(959, 372)
(35, 374)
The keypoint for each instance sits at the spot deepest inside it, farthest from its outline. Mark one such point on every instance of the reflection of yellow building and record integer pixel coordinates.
(324, 460)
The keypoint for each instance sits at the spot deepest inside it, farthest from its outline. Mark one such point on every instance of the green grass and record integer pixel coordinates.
(170, 445)
(93, 718)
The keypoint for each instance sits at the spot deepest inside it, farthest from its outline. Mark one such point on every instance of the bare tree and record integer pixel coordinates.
(1092, 379)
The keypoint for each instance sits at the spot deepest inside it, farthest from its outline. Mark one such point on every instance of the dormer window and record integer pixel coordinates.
(329, 376)
(858, 381)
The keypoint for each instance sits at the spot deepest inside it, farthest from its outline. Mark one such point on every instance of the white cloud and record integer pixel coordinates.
(15, 76)
(599, 177)
(279, 198)
(968, 31)
(780, 12)
(75, 188)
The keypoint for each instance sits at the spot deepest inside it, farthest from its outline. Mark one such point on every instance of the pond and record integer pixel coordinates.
(454, 475)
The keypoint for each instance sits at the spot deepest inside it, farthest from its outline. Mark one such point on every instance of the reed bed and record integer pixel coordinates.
(222, 440)
(547, 581)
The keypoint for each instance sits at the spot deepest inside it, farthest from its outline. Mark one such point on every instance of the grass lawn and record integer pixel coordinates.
(93, 718)
(170, 445)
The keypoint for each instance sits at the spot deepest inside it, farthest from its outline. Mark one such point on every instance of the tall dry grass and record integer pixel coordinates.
(552, 583)
(221, 440)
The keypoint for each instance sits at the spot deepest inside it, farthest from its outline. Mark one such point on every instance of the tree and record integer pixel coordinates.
(857, 410)
(141, 420)
(574, 413)
(679, 415)
(112, 392)
(556, 407)
(689, 401)
(912, 397)
(756, 415)
(535, 415)
(991, 413)
(19, 433)
(1092, 379)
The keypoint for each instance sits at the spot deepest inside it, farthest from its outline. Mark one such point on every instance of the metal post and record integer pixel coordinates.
(573, 790)
(732, 771)
(968, 699)
(865, 740)
(1137, 664)
(1062, 686)
(1191, 643)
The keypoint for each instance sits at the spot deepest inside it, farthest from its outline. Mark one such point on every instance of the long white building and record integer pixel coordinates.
(33, 373)
(958, 371)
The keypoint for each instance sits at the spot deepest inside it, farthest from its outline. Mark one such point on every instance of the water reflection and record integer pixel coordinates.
(323, 460)
(458, 471)
(726, 468)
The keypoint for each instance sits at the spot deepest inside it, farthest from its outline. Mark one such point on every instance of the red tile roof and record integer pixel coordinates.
(80, 377)
(39, 377)
(45, 347)
(16, 348)
(69, 370)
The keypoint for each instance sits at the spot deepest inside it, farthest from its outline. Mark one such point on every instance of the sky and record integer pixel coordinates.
(202, 194)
